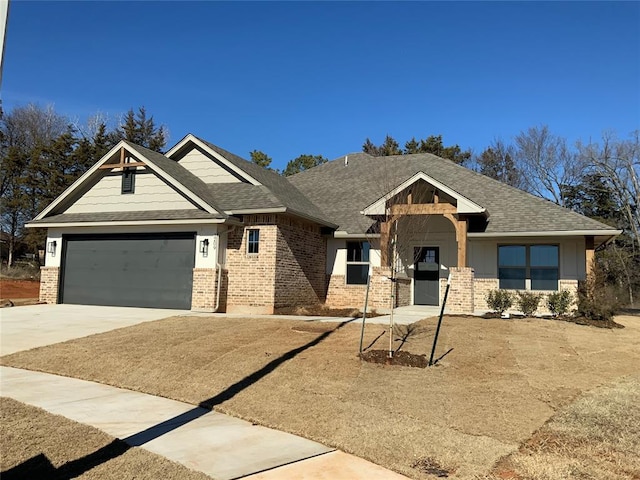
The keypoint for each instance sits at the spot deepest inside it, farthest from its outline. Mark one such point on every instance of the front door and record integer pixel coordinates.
(426, 278)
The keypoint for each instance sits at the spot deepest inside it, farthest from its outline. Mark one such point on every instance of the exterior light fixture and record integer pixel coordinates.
(51, 248)
(204, 247)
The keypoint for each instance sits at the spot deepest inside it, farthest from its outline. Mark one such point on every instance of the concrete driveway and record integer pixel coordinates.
(23, 328)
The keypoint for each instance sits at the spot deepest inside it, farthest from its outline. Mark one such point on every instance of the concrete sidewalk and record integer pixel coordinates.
(218, 445)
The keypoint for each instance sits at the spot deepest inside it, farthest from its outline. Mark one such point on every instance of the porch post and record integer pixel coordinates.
(589, 255)
(461, 237)
(460, 224)
(384, 243)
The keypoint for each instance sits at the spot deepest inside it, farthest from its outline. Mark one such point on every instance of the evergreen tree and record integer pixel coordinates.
(139, 129)
(260, 158)
(303, 162)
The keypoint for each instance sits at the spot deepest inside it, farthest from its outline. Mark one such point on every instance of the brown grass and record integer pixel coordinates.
(498, 385)
(598, 436)
(36, 444)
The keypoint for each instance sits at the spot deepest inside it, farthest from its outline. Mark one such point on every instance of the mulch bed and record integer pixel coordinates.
(402, 358)
(322, 311)
(567, 318)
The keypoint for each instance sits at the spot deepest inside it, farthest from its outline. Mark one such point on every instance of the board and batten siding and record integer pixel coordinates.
(151, 193)
(206, 169)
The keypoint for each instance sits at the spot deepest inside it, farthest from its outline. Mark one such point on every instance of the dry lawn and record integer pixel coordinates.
(598, 436)
(498, 385)
(38, 445)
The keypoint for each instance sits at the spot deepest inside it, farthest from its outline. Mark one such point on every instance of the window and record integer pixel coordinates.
(128, 180)
(357, 263)
(528, 267)
(253, 242)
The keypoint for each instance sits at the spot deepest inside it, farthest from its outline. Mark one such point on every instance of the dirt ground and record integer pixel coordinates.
(496, 384)
(38, 445)
(11, 289)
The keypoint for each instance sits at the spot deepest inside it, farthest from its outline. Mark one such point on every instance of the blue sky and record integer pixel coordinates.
(319, 77)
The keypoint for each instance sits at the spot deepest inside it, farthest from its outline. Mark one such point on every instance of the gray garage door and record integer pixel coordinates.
(128, 270)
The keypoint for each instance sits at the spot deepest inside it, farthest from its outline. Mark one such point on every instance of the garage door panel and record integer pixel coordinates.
(140, 271)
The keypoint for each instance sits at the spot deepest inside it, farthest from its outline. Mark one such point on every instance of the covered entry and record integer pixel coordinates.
(132, 270)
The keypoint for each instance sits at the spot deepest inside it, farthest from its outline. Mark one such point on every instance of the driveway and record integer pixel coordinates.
(23, 328)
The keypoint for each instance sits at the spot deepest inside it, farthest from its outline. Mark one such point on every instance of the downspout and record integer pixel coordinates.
(219, 267)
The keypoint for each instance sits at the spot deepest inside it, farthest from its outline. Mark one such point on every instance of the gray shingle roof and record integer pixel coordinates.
(342, 192)
(178, 172)
(243, 196)
(286, 194)
(129, 216)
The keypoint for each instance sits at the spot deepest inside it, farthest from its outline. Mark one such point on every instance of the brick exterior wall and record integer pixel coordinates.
(481, 287)
(341, 295)
(49, 279)
(461, 292)
(251, 277)
(403, 287)
(203, 296)
(301, 253)
(288, 270)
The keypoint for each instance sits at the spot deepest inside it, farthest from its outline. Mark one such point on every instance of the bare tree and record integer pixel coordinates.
(618, 163)
(546, 163)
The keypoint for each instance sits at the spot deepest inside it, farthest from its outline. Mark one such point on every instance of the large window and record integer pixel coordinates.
(528, 267)
(357, 263)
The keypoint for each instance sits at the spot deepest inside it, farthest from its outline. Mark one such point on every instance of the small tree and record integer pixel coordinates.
(499, 301)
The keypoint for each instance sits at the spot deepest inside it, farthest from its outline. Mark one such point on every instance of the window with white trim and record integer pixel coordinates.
(528, 267)
(357, 262)
(253, 241)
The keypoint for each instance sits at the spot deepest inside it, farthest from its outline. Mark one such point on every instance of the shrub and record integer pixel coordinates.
(558, 302)
(528, 302)
(597, 299)
(499, 300)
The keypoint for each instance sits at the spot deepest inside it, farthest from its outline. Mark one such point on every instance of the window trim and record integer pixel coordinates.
(528, 267)
(132, 189)
(354, 262)
(253, 242)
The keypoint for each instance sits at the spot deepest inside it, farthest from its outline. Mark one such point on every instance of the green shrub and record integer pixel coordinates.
(499, 300)
(597, 303)
(558, 302)
(597, 297)
(528, 302)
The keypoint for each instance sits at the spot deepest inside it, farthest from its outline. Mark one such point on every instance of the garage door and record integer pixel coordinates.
(128, 270)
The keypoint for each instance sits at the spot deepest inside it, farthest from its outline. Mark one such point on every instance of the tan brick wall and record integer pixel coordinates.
(341, 295)
(288, 270)
(481, 287)
(301, 253)
(461, 298)
(251, 277)
(203, 296)
(403, 287)
(49, 280)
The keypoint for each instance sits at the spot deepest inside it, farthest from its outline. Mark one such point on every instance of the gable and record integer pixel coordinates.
(427, 190)
(151, 193)
(206, 168)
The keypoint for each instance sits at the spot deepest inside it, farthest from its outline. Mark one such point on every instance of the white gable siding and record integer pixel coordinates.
(206, 169)
(151, 193)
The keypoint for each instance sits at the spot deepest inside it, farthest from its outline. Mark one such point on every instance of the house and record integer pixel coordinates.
(200, 228)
